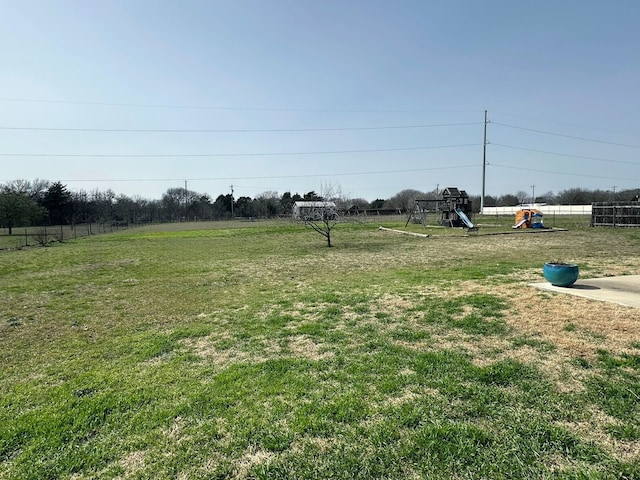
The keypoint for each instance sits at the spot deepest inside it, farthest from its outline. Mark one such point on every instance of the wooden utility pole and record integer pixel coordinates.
(484, 162)
(533, 195)
(232, 202)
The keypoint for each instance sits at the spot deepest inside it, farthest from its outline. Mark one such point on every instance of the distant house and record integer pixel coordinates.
(313, 210)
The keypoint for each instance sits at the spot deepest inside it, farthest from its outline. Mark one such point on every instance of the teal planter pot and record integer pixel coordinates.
(561, 274)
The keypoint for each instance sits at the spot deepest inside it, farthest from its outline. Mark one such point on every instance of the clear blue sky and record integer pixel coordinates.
(567, 68)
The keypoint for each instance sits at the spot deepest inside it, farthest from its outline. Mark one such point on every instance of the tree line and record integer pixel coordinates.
(41, 202)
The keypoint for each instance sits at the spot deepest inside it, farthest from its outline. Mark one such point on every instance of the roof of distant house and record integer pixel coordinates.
(314, 204)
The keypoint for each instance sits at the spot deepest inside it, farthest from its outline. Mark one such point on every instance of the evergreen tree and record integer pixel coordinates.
(58, 204)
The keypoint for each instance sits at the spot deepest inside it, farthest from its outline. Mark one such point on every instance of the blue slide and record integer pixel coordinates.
(464, 218)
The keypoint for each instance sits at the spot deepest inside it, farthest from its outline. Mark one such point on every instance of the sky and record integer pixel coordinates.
(363, 97)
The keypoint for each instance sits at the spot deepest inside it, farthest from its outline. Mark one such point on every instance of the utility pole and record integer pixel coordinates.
(484, 162)
(186, 208)
(231, 202)
(533, 195)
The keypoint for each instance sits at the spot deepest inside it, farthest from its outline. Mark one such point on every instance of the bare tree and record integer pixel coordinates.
(508, 200)
(320, 215)
(404, 199)
(574, 196)
(267, 204)
(173, 203)
(523, 197)
(547, 197)
(323, 218)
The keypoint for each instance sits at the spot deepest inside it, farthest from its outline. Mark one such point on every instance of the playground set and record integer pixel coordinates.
(455, 209)
(454, 206)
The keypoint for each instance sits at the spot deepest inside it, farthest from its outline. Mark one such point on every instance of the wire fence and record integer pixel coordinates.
(41, 236)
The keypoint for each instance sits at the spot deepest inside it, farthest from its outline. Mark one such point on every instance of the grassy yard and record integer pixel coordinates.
(250, 350)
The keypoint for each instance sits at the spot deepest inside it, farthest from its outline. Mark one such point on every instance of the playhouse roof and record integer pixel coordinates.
(453, 192)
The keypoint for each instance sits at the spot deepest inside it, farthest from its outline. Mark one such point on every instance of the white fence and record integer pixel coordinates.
(545, 209)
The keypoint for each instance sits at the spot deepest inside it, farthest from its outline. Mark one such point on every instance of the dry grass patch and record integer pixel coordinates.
(133, 463)
(249, 459)
(576, 326)
(175, 431)
(298, 346)
(410, 395)
(319, 444)
(596, 325)
(593, 430)
(304, 347)
(206, 349)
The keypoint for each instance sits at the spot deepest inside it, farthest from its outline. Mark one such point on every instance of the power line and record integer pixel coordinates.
(259, 154)
(206, 107)
(564, 154)
(563, 173)
(268, 177)
(584, 139)
(237, 130)
(566, 124)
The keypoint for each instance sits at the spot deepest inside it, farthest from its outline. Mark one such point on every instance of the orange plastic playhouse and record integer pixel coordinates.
(529, 218)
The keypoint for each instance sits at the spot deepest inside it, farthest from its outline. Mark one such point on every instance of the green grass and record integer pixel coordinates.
(253, 351)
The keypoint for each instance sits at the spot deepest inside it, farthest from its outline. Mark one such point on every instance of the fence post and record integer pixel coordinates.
(45, 236)
(26, 238)
(61, 233)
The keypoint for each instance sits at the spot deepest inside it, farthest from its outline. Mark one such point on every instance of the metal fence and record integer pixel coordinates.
(615, 214)
(34, 236)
